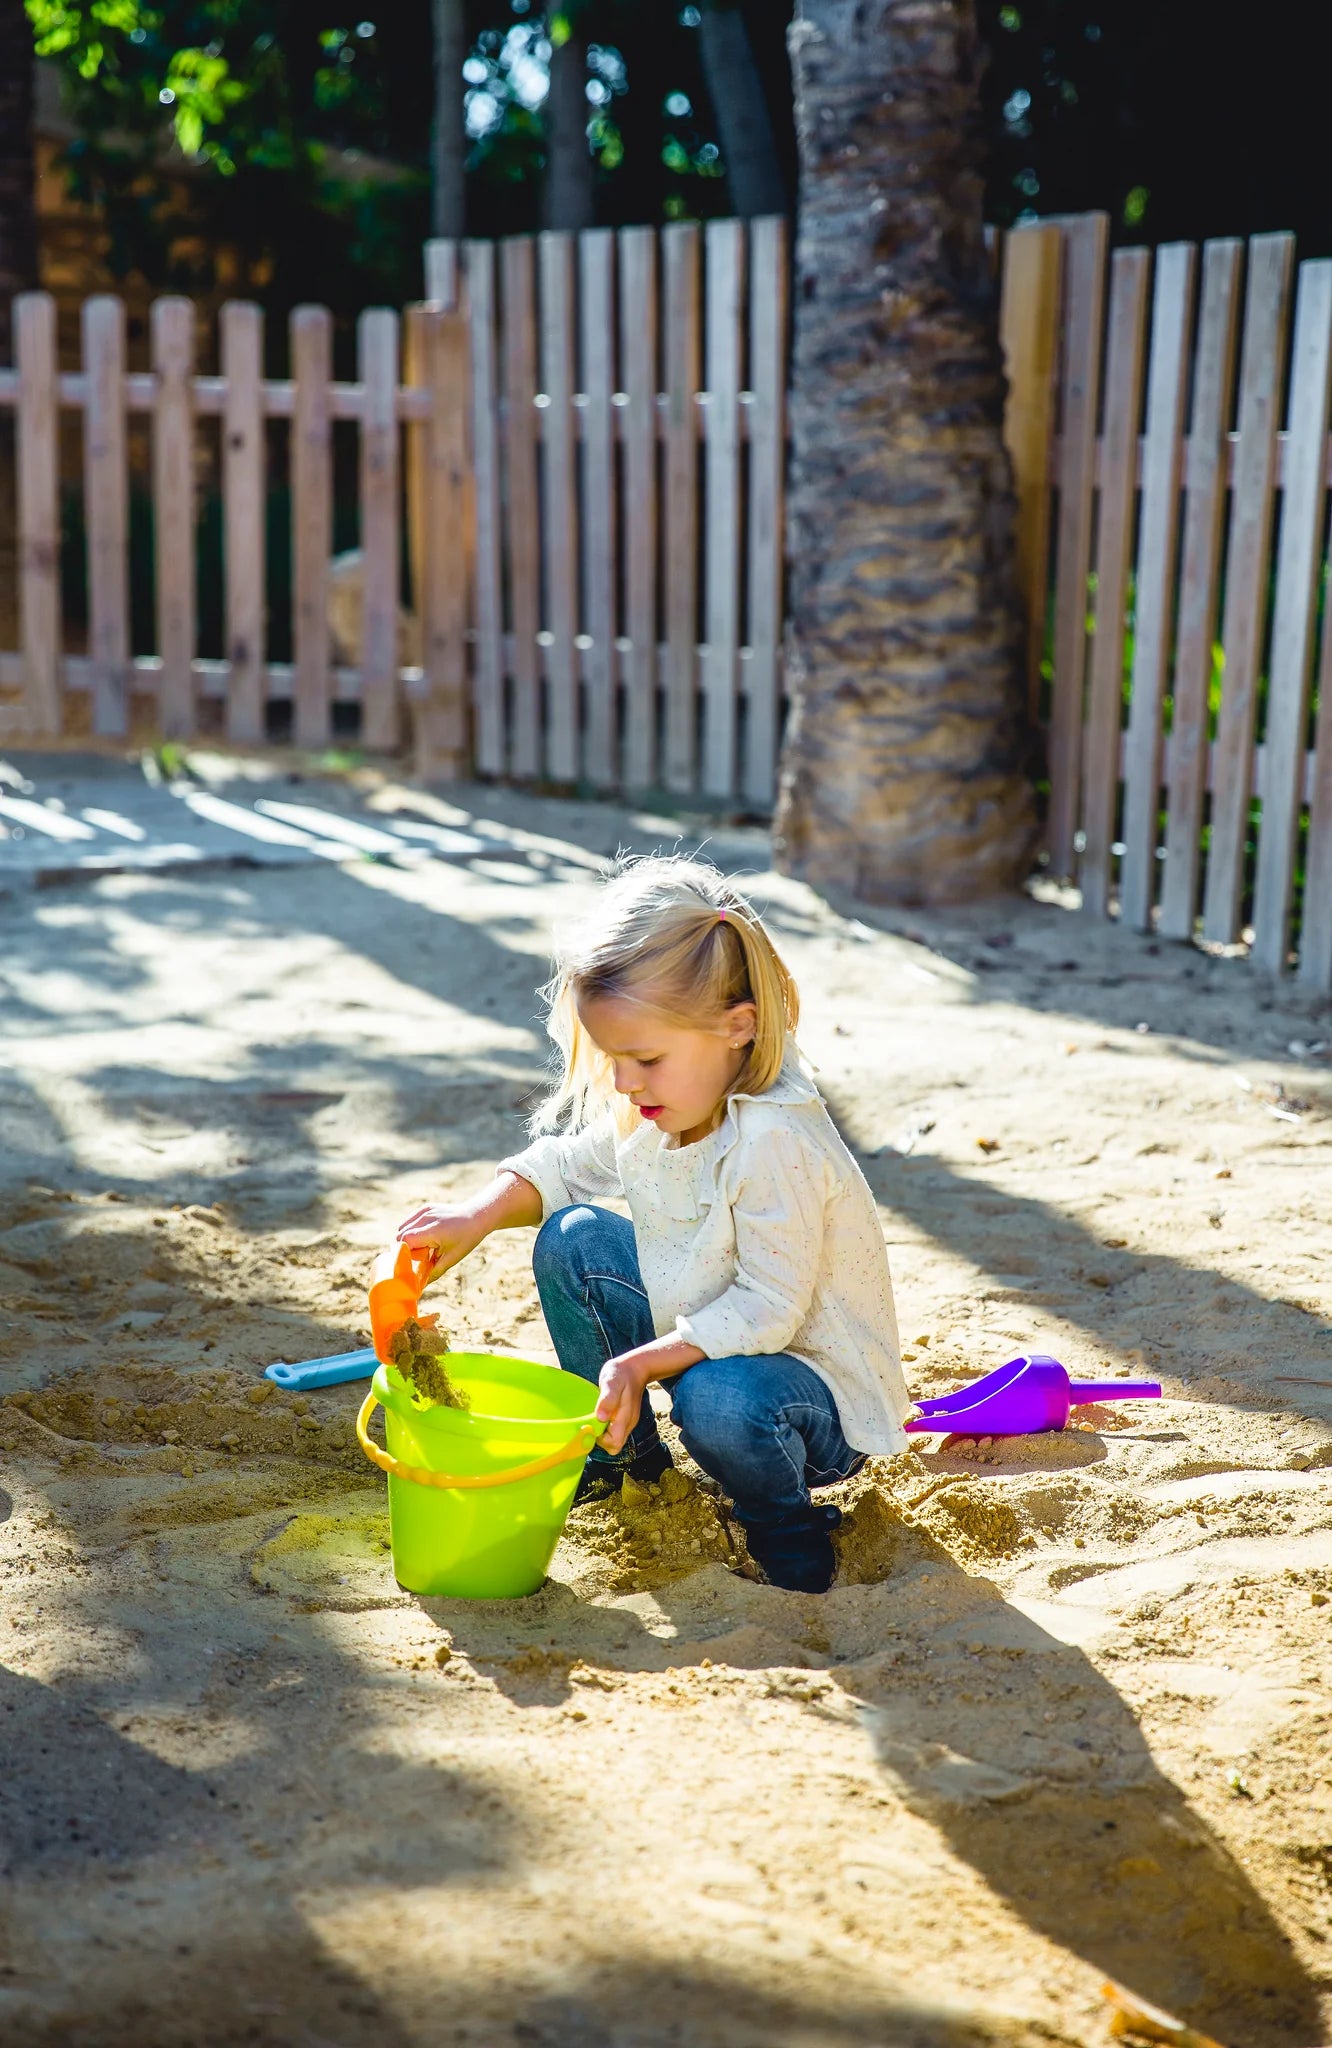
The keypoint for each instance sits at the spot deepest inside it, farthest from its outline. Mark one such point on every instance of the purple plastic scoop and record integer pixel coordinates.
(1021, 1398)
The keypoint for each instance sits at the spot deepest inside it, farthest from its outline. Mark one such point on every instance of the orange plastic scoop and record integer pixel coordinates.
(396, 1281)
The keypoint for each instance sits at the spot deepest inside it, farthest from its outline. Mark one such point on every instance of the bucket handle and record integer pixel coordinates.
(577, 1447)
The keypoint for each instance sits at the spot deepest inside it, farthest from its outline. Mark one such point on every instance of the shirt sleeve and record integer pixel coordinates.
(778, 1207)
(572, 1168)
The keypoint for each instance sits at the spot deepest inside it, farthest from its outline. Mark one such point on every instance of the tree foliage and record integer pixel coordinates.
(1176, 126)
(294, 135)
(262, 128)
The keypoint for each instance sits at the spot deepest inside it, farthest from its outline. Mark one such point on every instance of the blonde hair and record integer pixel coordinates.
(672, 934)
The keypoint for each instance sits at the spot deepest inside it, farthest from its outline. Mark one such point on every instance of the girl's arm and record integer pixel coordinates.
(507, 1204)
(550, 1175)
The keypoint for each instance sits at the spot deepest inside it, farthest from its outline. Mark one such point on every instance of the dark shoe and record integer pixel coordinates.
(598, 1482)
(647, 1468)
(797, 1555)
(605, 1476)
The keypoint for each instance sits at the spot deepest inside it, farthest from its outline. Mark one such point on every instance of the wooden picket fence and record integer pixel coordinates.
(412, 423)
(1173, 554)
(586, 438)
(629, 451)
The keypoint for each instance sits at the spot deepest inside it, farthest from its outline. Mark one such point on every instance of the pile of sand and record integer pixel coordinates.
(647, 1536)
(1065, 1713)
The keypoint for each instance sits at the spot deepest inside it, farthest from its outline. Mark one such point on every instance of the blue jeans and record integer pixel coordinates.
(765, 1428)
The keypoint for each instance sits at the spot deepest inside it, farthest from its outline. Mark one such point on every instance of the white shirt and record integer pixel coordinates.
(758, 1239)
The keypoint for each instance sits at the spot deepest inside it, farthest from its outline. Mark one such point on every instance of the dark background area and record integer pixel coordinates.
(311, 167)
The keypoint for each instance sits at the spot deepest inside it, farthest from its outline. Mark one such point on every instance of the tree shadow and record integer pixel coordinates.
(1041, 956)
(77, 1791)
(273, 1985)
(1037, 1253)
(1010, 1743)
(281, 1988)
(1055, 1800)
(637, 2001)
(114, 1284)
(155, 1901)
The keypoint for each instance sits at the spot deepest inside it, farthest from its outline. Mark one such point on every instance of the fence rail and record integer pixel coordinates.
(1173, 540)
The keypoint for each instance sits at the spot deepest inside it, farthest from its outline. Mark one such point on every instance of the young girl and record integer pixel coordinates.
(752, 1280)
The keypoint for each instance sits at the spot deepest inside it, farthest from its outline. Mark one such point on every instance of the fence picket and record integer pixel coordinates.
(1315, 963)
(243, 517)
(560, 503)
(311, 522)
(765, 497)
(522, 503)
(441, 269)
(1130, 271)
(680, 259)
(441, 715)
(1204, 519)
(596, 268)
(488, 680)
(1247, 568)
(1172, 311)
(106, 511)
(1084, 286)
(37, 446)
(638, 383)
(1029, 335)
(1299, 561)
(415, 451)
(724, 247)
(173, 514)
(377, 351)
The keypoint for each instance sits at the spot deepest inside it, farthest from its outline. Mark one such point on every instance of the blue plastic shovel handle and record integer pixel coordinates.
(323, 1372)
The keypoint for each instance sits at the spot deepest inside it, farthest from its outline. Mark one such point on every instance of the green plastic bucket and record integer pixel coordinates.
(491, 1536)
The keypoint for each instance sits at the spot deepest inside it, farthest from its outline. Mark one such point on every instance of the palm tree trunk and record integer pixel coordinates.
(748, 145)
(903, 778)
(448, 140)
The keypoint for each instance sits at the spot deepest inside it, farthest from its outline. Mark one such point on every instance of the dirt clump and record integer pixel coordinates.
(416, 1350)
(973, 1520)
(874, 1532)
(650, 1535)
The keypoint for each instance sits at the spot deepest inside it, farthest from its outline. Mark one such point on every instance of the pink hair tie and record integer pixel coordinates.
(721, 916)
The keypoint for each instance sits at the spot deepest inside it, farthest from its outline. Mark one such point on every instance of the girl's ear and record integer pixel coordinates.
(740, 1024)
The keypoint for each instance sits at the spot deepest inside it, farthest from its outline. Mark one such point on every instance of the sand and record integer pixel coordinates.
(1065, 1713)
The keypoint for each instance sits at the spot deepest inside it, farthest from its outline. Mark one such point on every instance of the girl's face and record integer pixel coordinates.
(676, 1075)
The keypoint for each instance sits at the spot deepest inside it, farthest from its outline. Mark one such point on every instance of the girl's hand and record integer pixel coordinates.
(454, 1229)
(622, 1381)
(451, 1233)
